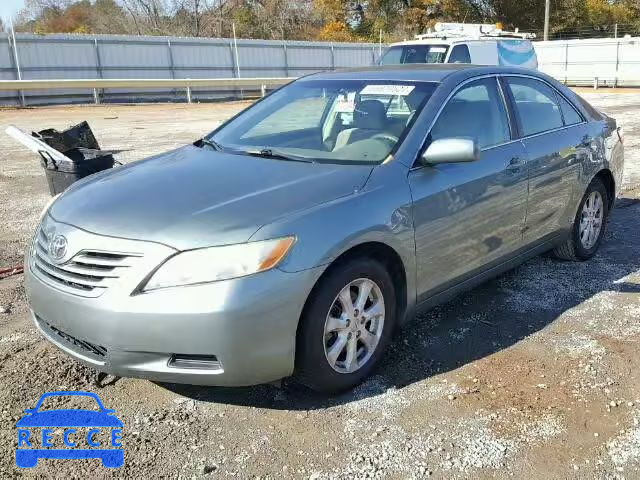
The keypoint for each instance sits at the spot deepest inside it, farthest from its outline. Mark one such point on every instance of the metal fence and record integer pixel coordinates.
(605, 62)
(64, 56)
(600, 62)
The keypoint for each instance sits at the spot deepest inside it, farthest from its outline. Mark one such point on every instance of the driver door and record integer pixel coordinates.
(468, 216)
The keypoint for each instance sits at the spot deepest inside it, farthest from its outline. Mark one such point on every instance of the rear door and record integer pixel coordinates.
(553, 133)
(469, 215)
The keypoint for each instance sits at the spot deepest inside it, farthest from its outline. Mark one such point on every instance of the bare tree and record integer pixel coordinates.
(148, 15)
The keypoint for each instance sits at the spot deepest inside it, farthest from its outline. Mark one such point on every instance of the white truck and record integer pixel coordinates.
(480, 44)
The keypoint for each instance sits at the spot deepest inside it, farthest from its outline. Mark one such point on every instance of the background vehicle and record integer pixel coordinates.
(298, 235)
(465, 43)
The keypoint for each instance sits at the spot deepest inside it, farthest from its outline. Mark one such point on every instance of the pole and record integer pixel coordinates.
(172, 70)
(286, 58)
(615, 82)
(380, 45)
(615, 31)
(96, 92)
(547, 8)
(333, 58)
(15, 57)
(235, 48)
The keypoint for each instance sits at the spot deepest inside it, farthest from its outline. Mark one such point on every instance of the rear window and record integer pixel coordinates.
(595, 114)
(414, 54)
(570, 114)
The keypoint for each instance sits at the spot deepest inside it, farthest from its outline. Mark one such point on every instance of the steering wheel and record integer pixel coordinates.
(387, 137)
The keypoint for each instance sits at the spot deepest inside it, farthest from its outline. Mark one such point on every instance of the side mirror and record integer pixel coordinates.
(451, 150)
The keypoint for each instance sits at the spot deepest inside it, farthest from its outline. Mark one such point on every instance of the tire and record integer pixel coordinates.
(325, 304)
(576, 248)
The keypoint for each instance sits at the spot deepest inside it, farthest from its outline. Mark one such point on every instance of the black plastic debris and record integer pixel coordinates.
(83, 153)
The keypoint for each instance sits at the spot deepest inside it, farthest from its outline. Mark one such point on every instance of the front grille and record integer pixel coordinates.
(85, 347)
(89, 273)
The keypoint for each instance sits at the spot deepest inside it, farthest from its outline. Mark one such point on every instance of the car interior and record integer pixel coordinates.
(370, 131)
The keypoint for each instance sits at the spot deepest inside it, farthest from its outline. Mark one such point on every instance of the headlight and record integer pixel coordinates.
(219, 263)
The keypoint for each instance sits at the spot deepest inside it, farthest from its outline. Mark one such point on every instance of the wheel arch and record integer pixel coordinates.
(606, 177)
(382, 253)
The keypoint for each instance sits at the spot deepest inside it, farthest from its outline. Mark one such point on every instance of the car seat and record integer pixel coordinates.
(369, 119)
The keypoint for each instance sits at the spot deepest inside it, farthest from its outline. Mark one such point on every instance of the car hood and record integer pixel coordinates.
(192, 197)
(69, 418)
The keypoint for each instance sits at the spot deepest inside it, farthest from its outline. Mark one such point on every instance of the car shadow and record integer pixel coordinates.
(479, 323)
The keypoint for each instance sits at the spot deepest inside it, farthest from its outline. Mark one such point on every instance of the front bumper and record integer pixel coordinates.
(249, 324)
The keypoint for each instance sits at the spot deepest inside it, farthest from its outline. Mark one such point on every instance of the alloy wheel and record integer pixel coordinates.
(354, 325)
(591, 220)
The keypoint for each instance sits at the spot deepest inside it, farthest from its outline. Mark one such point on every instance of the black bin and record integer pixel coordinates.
(84, 161)
(85, 157)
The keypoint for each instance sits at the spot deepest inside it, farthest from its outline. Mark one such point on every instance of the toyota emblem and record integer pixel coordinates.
(58, 248)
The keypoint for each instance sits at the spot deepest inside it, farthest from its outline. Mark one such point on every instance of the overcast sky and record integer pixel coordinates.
(8, 8)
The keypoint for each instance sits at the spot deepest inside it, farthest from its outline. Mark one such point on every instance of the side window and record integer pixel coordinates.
(570, 114)
(460, 54)
(536, 104)
(475, 111)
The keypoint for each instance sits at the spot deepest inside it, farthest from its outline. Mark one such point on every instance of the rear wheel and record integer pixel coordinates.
(589, 225)
(346, 326)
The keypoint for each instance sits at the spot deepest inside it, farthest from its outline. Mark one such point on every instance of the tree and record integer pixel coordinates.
(109, 17)
(336, 31)
(332, 20)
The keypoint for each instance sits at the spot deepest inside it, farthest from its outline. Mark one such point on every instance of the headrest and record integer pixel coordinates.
(370, 115)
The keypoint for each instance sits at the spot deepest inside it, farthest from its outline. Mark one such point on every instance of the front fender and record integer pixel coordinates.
(381, 212)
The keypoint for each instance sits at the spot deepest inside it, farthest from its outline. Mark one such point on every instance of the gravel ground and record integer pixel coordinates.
(532, 375)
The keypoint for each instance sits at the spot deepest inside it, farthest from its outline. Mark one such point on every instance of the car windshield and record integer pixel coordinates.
(333, 121)
(414, 54)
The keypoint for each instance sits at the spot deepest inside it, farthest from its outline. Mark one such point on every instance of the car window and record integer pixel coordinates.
(475, 111)
(298, 115)
(460, 54)
(570, 114)
(414, 54)
(335, 120)
(536, 105)
(393, 56)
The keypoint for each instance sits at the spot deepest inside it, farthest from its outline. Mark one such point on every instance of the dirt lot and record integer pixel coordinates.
(536, 374)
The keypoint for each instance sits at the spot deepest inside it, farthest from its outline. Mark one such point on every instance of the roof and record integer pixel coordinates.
(421, 72)
(472, 30)
(451, 40)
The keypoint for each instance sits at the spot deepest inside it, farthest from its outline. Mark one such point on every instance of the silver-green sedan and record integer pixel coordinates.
(295, 238)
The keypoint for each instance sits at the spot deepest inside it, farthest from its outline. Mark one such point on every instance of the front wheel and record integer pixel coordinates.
(589, 225)
(346, 326)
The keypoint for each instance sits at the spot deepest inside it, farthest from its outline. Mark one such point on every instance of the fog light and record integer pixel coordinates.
(199, 362)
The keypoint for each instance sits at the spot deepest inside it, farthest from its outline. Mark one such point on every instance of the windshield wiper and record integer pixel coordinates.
(209, 143)
(268, 153)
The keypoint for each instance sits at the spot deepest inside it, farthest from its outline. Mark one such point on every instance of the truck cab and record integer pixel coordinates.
(480, 44)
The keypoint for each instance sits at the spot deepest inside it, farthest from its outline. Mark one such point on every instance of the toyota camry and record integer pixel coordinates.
(299, 235)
